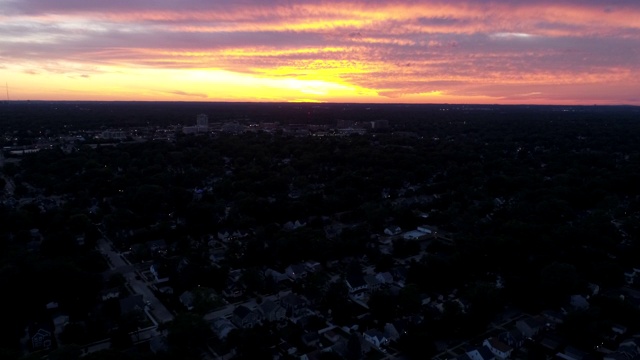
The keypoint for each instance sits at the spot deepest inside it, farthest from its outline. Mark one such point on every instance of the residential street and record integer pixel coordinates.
(227, 310)
(139, 286)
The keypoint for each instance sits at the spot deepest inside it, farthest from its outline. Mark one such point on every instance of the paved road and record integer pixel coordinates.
(118, 264)
(114, 258)
(228, 309)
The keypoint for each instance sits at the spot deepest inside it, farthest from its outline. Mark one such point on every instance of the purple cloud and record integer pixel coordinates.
(395, 48)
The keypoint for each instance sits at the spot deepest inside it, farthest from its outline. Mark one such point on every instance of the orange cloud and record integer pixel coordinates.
(325, 51)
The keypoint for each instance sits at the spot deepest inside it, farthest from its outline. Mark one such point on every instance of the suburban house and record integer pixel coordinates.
(529, 327)
(356, 283)
(276, 276)
(272, 311)
(477, 353)
(296, 272)
(392, 230)
(498, 348)
(375, 337)
(310, 339)
(425, 229)
(222, 327)
(332, 336)
(396, 329)
(391, 332)
(160, 272)
(244, 317)
(295, 305)
(513, 338)
(372, 281)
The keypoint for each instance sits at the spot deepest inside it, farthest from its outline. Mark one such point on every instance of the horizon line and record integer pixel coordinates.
(316, 103)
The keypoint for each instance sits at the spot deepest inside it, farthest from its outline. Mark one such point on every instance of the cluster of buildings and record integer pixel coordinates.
(342, 127)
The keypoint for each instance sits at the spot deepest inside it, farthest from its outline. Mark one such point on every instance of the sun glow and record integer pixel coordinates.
(347, 51)
(113, 83)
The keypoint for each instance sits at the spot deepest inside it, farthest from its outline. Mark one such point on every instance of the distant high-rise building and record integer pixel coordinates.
(202, 125)
(202, 121)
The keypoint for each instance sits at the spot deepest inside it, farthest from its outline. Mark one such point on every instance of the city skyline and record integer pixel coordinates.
(496, 52)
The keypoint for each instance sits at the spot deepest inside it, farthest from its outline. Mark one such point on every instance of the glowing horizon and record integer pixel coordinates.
(578, 52)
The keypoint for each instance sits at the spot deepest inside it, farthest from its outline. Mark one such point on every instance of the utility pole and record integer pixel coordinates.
(6, 85)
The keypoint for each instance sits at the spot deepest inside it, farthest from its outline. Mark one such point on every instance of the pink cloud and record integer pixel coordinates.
(394, 47)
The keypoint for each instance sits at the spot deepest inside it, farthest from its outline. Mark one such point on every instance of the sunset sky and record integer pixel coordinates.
(482, 51)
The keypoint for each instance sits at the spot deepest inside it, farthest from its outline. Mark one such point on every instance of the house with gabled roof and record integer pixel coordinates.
(391, 332)
(276, 276)
(160, 271)
(296, 272)
(332, 336)
(244, 317)
(529, 326)
(513, 338)
(392, 230)
(310, 339)
(355, 283)
(498, 348)
(478, 353)
(372, 281)
(294, 304)
(375, 337)
(272, 311)
(222, 327)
